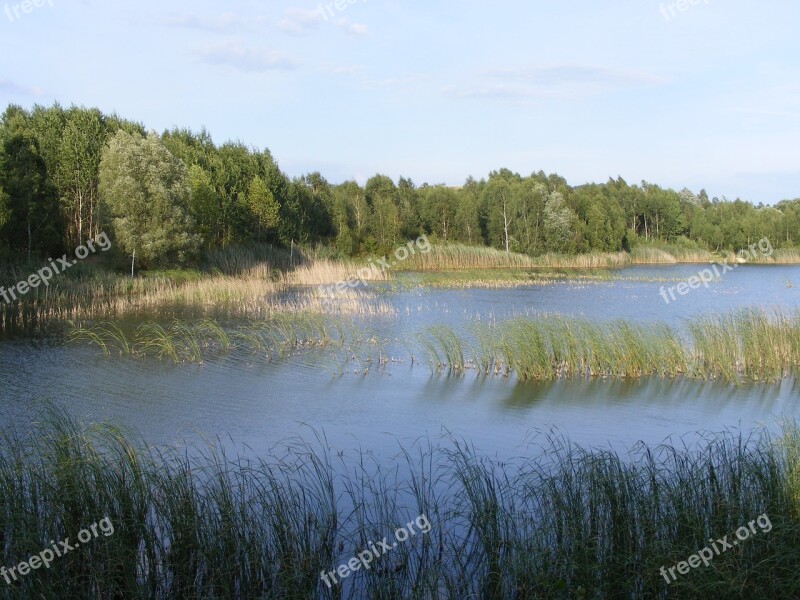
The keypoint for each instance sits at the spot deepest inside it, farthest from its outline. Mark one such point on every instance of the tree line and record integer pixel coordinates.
(66, 174)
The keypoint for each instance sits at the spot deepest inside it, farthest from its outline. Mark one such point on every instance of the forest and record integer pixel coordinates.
(68, 174)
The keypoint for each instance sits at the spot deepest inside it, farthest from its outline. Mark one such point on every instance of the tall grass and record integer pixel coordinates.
(449, 256)
(194, 341)
(570, 523)
(745, 345)
(105, 295)
(249, 280)
(779, 256)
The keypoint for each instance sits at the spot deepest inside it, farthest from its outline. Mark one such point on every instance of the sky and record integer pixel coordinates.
(697, 93)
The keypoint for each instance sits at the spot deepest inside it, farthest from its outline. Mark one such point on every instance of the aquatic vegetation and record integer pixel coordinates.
(105, 296)
(194, 341)
(746, 345)
(449, 256)
(566, 523)
(749, 345)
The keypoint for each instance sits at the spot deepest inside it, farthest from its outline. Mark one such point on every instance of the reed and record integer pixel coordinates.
(194, 341)
(747, 345)
(107, 296)
(251, 281)
(566, 523)
(449, 256)
(779, 256)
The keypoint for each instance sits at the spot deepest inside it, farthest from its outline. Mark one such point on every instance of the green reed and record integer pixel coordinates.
(194, 341)
(567, 523)
(745, 345)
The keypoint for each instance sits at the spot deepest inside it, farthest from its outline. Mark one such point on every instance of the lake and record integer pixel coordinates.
(252, 405)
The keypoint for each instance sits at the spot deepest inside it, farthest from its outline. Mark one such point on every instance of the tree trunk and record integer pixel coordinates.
(505, 224)
(133, 261)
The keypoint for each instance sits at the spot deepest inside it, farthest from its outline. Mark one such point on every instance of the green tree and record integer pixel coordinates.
(34, 220)
(497, 197)
(467, 216)
(438, 207)
(146, 193)
(263, 206)
(78, 173)
(381, 196)
(204, 205)
(5, 212)
(559, 224)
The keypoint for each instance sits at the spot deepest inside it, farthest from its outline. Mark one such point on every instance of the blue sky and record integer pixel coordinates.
(706, 97)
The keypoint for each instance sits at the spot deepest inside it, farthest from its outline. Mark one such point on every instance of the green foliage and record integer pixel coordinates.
(262, 204)
(238, 195)
(145, 190)
(559, 224)
(5, 211)
(33, 221)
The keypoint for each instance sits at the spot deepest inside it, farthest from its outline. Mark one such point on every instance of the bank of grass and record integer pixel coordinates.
(246, 289)
(249, 281)
(779, 256)
(509, 278)
(570, 523)
(745, 345)
(449, 256)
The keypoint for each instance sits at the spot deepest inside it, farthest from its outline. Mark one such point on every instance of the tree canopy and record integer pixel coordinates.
(66, 174)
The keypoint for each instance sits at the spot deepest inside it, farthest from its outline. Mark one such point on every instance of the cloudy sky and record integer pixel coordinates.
(706, 97)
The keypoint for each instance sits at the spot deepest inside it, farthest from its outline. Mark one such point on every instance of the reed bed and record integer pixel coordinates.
(749, 345)
(444, 256)
(461, 257)
(669, 254)
(253, 260)
(779, 256)
(458, 256)
(106, 295)
(564, 523)
(195, 341)
(746, 345)
(510, 278)
(249, 281)
(328, 272)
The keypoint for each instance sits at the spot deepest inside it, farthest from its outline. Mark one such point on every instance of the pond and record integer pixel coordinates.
(252, 405)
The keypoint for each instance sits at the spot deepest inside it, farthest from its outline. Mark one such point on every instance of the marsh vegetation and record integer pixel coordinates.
(570, 523)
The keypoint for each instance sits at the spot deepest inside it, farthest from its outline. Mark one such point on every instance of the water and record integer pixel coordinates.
(253, 405)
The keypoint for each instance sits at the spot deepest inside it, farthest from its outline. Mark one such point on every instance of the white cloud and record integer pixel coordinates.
(354, 29)
(236, 55)
(299, 21)
(11, 87)
(562, 81)
(221, 22)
